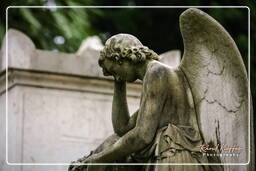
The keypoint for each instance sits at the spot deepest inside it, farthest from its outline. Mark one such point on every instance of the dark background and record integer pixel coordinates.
(158, 28)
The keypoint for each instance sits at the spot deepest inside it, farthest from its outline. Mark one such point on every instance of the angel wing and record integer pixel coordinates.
(218, 80)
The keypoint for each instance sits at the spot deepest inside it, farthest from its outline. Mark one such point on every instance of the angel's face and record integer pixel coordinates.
(122, 72)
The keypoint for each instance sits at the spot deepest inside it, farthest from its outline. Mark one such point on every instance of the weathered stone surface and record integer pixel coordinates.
(64, 63)
(216, 73)
(22, 54)
(21, 50)
(207, 95)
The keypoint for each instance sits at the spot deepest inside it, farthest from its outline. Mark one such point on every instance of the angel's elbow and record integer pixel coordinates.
(119, 131)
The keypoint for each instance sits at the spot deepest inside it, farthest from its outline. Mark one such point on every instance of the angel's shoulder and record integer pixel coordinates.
(157, 73)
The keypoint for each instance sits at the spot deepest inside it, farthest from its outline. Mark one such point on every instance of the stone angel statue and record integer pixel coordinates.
(191, 118)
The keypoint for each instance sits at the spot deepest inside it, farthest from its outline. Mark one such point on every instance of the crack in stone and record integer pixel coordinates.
(224, 107)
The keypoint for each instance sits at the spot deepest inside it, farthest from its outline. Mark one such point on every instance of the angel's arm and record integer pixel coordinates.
(121, 120)
(146, 126)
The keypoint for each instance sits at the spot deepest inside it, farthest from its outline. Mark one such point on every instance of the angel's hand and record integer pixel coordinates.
(78, 165)
(95, 158)
(75, 166)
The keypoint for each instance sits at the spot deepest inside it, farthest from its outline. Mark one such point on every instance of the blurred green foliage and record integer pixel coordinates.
(44, 25)
(63, 29)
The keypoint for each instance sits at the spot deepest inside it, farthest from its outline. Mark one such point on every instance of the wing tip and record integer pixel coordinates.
(191, 12)
(188, 11)
(199, 21)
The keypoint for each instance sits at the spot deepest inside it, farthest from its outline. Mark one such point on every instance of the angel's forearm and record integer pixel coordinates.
(120, 112)
(126, 145)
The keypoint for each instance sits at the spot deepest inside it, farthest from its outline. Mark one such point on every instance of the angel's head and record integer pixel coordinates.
(122, 55)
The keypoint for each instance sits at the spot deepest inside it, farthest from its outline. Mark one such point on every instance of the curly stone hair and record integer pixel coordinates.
(122, 47)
